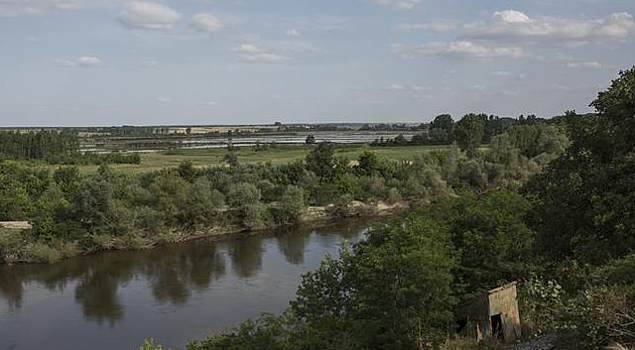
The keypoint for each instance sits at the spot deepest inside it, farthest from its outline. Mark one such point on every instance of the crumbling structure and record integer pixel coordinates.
(493, 314)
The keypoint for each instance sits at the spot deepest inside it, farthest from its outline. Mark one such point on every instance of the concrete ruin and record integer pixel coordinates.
(493, 314)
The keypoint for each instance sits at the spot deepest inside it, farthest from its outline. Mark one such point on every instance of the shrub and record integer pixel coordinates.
(148, 344)
(292, 203)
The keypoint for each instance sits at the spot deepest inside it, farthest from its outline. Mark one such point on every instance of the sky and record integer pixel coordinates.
(120, 62)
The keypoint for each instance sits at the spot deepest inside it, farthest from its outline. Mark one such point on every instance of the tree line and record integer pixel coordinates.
(37, 145)
(55, 147)
(470, 132)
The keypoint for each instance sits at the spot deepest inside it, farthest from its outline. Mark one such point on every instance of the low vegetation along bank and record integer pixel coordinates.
(560, 222)
(18, 246)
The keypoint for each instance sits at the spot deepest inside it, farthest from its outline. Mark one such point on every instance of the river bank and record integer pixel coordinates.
(17, 247)
(173, 293)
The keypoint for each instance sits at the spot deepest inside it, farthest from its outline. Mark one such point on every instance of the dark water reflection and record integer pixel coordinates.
(174, 293)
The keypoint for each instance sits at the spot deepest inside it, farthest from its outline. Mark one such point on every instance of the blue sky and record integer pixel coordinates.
(113, 62)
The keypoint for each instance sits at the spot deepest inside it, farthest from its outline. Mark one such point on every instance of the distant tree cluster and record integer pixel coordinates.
(470, 132)
(37, 145)
(55, 147)
(392, 127)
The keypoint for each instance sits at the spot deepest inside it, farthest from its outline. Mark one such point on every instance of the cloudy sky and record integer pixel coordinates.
(112, 62)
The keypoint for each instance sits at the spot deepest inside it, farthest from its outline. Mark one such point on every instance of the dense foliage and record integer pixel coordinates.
(569, 237)
(470, 132)
(36, 145)
(585, 199)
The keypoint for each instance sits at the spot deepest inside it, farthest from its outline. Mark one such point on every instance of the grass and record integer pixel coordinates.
(202, 157)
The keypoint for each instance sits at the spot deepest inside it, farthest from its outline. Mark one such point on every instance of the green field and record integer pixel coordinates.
(279, 155)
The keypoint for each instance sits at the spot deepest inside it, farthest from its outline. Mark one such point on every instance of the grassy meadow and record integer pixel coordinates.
(203, 157)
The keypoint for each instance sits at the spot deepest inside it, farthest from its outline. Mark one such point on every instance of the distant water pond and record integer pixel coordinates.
(173, 294)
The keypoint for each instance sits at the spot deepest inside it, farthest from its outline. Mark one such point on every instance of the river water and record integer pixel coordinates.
(175, 293)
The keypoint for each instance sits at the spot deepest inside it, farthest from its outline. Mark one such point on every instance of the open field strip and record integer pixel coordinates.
(279, 155)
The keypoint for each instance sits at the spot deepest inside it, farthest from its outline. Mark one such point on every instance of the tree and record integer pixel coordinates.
(187, 171)
(441, 129)
(469, 133)
(231, 158)
(585, 203)
(495, 244)
(392, 292)
(246, 198)
(267, 332)
(242, 194)
(368, 164)
(320, 160)
(292, 203)
(310, 139)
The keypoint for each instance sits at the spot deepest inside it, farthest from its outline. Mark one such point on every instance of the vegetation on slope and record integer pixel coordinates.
(568, 235)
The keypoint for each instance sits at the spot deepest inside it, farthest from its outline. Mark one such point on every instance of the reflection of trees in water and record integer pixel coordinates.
(207, 265)
(246, 255)
(345, 229)
(97, 288)
(292, 243)
(171, 273)
(53, 277)
(11, 288)
(173, 277)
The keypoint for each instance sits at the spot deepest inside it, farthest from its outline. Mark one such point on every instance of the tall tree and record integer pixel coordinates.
(442, 129)
(320, 160)
(469, 133)
(585, 202)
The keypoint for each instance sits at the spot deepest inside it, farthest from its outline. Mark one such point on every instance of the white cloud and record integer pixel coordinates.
(457, 49)
(292, 32)
(301, 47)
(507, 74)
(515, 25)
(438, 27)
(253, 53)
(14, 8)
(394, 87)
(251, 50)
(83, 61)
(165, 99)
(585, 65)
(560, 56)
(89, 61)
(149, 64)
(208, 23)
(207, 103)
(400, 4)
(147, 15)
(65, 63)
(415, 89)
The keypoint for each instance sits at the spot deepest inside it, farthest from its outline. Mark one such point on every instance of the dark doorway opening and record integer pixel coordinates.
(497, 327)
(461, 326)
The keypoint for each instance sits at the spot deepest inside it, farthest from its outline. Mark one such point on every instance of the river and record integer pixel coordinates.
(175, 293)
